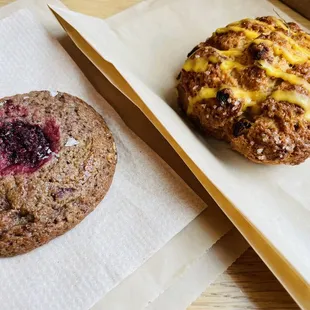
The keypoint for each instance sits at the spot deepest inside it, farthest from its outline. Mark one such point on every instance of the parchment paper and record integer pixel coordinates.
(147, 44)
(170, 288)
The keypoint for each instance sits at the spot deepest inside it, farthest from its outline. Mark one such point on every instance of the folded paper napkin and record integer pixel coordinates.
(145, 207)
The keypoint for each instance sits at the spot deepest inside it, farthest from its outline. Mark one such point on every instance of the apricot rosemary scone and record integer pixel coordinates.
(249, 84)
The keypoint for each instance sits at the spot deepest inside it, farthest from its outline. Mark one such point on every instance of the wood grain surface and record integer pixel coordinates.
(247, 284)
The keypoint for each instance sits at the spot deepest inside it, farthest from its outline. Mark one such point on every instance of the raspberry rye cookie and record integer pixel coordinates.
(57, 161)
(249, 84)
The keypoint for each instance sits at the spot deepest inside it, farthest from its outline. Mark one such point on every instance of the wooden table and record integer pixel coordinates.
(247, 284)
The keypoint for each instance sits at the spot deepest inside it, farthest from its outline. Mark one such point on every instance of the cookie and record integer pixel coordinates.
(57, 161)
(249, 84)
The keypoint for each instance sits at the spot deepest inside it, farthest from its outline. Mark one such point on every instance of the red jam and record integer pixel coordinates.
(25, 147)
(12, 110)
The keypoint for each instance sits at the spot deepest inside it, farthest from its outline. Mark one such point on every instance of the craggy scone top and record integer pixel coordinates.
(249, 84)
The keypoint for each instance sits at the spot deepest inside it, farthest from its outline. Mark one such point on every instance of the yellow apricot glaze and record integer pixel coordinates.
(297, 55)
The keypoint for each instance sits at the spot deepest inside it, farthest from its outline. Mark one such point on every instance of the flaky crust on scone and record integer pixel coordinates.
(249, 84)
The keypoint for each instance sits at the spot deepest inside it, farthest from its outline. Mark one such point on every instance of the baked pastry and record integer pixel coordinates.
(57, 160)
(249, 84)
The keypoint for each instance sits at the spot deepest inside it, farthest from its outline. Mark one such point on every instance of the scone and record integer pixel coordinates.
(249, 84)
(57, 161)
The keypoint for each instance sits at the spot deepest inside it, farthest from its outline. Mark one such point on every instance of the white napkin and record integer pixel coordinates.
(145, 207)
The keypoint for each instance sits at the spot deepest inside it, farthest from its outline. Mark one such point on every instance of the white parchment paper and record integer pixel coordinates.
(148, 44)
(145, 207)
